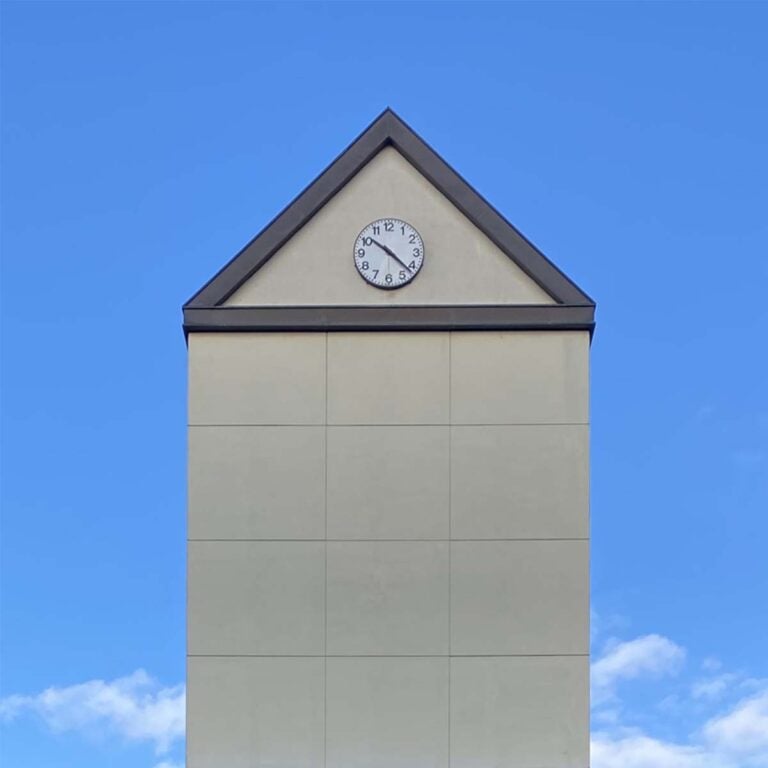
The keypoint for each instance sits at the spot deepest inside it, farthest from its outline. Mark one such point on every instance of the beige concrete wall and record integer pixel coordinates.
(389, 550)
(461, 265)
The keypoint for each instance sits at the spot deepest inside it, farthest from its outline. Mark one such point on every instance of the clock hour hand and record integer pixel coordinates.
(392, 254)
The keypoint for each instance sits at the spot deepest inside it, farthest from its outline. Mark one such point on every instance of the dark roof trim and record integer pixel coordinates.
(388, 130)
(403, 318)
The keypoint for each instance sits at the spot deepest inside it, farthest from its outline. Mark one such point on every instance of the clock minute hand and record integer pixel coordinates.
(392, 254)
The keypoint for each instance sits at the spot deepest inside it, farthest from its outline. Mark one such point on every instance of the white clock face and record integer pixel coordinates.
(389, 253)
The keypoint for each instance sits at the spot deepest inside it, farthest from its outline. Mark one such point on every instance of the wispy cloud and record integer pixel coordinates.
(742, 733)
(651, 655)
(638, 750)
(727, 735)
(714, 687)
(136, 708)
(733, 736)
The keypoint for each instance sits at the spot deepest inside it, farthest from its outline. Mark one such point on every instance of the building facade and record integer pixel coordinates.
(388, 532)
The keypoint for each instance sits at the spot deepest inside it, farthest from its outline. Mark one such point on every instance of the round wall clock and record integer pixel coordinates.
(389, 253)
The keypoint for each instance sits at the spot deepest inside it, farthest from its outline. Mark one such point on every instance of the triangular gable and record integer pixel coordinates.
(461, 265)
(552, 301)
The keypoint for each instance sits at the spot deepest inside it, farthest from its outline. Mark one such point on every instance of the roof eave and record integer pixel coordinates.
(534, 317)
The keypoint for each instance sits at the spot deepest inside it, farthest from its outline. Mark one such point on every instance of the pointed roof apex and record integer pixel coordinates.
(573, 308)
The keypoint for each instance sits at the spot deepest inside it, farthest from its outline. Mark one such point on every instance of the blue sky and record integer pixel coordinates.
(144, 143)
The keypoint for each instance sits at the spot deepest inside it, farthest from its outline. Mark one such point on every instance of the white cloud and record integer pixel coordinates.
(637, 750)
(711, 664)
(736, 736)
(136, 708)
(712, 688)
(742, 733)
(650, 655)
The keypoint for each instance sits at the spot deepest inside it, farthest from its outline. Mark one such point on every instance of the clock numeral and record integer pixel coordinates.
(376, 230)
(411, 238)
(375, 273)
(364, 266)
(417, 252)
(361, 252)
(389, 226)
(402, 229)
(412, 265)
(367, 241)
(388, 278)
(402, 274)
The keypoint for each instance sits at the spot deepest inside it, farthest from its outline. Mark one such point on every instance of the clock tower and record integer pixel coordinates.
(388, 531)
